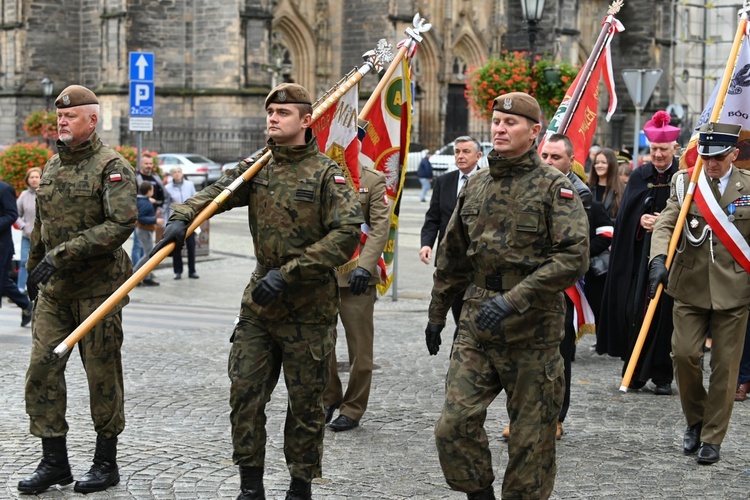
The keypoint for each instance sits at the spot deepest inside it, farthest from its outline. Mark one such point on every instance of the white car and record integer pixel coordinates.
(443, 159)
(197, 168)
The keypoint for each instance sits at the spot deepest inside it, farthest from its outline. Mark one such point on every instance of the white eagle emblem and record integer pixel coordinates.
(507, 103)
(66, 99)
(282, 95)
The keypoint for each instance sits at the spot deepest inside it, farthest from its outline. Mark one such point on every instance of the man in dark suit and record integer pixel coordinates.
(9, 215)
(445, 191)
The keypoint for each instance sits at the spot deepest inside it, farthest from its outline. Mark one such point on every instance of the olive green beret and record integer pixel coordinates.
(289, 93)
(75, 95)
(518, 103)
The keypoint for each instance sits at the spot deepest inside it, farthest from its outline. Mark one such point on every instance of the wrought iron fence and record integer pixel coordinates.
(219, 144)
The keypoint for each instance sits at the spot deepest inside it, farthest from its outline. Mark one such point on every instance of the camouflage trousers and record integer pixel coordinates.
(46, 392)
(533, 381)
(255, 361)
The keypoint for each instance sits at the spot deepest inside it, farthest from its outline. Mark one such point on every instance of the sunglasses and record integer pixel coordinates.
(720, 157)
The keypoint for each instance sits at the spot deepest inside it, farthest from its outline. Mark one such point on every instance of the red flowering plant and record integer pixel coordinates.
(17, 158)
(42, 123)
(512, 72)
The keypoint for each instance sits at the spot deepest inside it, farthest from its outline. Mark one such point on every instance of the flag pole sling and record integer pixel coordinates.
(715, 113)
(343, 86)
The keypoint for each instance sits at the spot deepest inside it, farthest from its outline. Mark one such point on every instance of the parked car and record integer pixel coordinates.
(443, 159)
(197, 168)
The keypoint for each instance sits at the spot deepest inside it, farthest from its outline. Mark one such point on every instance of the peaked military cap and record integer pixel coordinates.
(288, 93)
(75, 95)
(717, 138)
(518, 103)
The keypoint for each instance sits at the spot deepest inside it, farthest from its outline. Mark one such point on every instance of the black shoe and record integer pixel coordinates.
(663, 389)
(343, 423)
(330, 411)
(692, 440)
(104, 472)
(636, 385)
(299, 490)
(251, 484)
(178, 276)
(149, 282)
(53, 469)
(193, 276)
(708, 454)
(26, 315)
(488, 494)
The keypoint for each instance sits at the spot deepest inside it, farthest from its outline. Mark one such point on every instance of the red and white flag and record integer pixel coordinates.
(385, 145)
(581, 125)
(336, 132)
(583, 316)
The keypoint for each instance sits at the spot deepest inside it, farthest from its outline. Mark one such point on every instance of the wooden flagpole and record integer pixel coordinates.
(715, 113)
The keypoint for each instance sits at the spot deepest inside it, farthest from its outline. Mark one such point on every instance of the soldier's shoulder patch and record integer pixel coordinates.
(339, 179)
(566, 193)
(115, 177)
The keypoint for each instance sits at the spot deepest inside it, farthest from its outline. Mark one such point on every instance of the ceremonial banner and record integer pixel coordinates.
(583, 316)
(385, 146)
(336, 132)
(582, 97)
(735, 110)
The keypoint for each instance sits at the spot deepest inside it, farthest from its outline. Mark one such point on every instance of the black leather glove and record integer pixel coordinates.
(268, 288)
(42, 272)
(432, 337)
(32, 289)
(657, 273)
(493, 312)
(176, 231)
(359, 280)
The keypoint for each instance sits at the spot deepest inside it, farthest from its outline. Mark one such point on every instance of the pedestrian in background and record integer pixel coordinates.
(467, 153)
(305, 220)
(86, 210)
(358, 294)
(178, 190)
(26, 208)
(424, 173)
(8, 217)
(709, 283)
(604, 182)
(518, 238)
(145, 227)
(158, 199)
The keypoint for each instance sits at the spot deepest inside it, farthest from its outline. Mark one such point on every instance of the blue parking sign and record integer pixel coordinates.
(141, 98)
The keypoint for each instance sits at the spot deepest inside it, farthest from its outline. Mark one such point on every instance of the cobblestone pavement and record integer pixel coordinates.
(176, 444)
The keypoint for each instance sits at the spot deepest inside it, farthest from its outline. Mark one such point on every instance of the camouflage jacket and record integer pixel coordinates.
(519, 219)
(304, 218)
(85, 211)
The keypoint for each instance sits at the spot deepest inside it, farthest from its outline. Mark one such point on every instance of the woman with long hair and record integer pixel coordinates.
(26, 203)
(604, 181)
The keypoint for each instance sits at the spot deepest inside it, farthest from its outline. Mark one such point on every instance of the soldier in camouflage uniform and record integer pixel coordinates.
(305, 220)
(517, 239)
(86, 210)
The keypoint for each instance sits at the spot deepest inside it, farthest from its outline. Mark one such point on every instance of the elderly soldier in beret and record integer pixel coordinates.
(305, 220)
(86, 210)
(709, 283)
(517, 239)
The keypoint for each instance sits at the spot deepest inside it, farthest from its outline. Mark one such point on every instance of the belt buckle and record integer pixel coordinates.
(494, 283)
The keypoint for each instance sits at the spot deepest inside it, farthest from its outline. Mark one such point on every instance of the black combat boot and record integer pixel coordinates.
(299, 490)
(488, 494)
(103, 473)
(251, 484)
(53, 469)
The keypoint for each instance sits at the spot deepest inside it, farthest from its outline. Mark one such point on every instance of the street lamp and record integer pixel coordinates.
(532, 13)
(47, 87)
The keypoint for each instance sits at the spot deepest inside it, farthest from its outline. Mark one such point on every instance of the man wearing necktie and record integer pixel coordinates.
(445, 192)
(710, 285)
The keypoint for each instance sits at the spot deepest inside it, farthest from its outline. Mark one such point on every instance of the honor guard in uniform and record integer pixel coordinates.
(358, 295)
(305, 220)
(709, 282)
(85, 211)
(517, 239)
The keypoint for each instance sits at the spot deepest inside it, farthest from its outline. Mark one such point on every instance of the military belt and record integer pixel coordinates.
(498, 283)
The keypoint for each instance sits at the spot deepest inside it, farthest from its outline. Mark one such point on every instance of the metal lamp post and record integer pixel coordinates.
(47, 87)
(532, 13)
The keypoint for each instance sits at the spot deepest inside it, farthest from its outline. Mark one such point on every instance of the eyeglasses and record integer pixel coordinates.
(720, 157)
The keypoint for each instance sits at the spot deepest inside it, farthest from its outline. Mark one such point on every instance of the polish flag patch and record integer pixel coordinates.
(115, 177)
(566, 193)
(339, 179)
